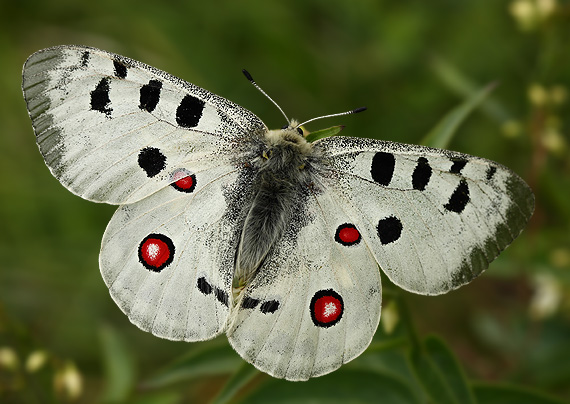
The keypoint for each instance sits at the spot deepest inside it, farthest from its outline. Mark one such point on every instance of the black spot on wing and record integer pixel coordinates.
(84, 59)
(150, 95)
(221, 296)
(382, 167)
(459, 198)
(249, 303)
(269, 306)
(421, 174)
(100, 100)
(203, 286)
(389, 229)
(491, 172)
(189, 112)
(152, 161)
(457, 165)
(120, 69)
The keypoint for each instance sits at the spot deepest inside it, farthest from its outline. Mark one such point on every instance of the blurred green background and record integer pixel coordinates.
(505, 338)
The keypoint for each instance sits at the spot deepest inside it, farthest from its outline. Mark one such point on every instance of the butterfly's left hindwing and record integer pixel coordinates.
(115, 130)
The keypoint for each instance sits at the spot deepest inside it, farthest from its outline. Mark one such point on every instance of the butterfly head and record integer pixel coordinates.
(289, 138)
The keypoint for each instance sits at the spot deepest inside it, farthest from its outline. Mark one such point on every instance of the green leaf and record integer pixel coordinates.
(322, 133)
(342, 386)
(239, 379)
(440, 375)
(460, 84)
(505, 394)
(441, 135)
(119, 366)
(447, 364)
(164, 397)
(206, 359)
(431, 380)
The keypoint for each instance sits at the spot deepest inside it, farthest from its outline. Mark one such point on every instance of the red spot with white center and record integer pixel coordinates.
(184, 181)
(156, 252)
(326, 308)
(347, 234)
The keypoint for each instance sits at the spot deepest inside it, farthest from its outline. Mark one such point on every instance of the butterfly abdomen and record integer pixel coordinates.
(282, 170)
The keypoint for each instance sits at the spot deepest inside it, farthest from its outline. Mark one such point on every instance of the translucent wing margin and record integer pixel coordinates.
(113, 130)
(433, 219)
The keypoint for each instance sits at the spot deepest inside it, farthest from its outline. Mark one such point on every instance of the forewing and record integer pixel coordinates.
(434, 219)
(115, 130)
(168, 259)
(315, 302)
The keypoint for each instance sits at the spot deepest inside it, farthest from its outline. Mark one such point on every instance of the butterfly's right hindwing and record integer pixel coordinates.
(115, 130)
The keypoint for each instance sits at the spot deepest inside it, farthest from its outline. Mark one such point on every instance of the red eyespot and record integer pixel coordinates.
(183, 181)
(347, 234)
(326, 308)
(156, 252)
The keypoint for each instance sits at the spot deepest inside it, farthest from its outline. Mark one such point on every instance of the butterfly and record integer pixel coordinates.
(225, 226)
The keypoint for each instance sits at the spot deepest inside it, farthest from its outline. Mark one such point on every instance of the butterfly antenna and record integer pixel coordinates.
(354, 111)
(252, 81)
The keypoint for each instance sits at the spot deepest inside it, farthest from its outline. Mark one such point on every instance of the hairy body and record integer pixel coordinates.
(282, 168)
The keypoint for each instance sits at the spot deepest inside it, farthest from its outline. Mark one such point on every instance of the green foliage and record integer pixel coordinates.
(416, 66)
(347, 386)
(322, 133)
(208, 359)
(238, 380)
(500, 394)
(440, 374)
(119, 367)
(442, 134)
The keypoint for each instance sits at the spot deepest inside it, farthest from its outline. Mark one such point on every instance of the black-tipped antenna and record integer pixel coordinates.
(354, 111)
(248, 76)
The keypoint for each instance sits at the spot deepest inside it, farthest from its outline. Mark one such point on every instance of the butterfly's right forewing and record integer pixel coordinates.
(434, 219)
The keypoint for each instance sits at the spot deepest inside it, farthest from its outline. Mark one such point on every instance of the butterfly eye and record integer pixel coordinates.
(300, 131)
(284, 127)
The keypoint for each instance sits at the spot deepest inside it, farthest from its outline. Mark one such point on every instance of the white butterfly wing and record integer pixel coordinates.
(433, 219)
(114, 130)
(168, 259)
(315, 302)
(179, 160)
